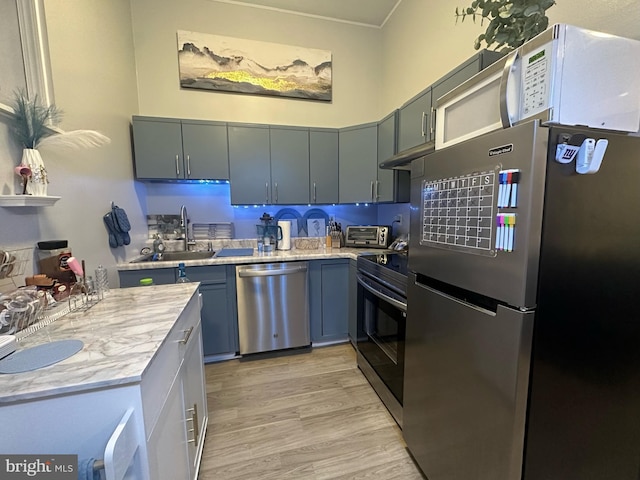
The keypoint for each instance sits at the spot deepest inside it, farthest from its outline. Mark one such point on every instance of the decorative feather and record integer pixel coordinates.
(73, 140)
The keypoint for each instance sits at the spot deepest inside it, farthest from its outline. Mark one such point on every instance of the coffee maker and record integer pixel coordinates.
(268, 233)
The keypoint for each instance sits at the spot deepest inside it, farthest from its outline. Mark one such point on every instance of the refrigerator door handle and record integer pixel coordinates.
(457, 300)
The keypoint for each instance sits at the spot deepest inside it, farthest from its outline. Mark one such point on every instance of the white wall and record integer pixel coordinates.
(94, 82)
(356, 64)
(421, 41)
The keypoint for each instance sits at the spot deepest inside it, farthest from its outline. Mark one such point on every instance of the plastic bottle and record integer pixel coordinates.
(102, 279)
(182, 275)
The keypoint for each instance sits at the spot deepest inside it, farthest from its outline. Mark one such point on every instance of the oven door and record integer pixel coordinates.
(382, 315)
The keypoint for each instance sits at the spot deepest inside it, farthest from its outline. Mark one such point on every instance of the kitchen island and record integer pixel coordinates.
(133, 396)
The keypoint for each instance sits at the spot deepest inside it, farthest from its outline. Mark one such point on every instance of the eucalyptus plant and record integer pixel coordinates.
(511, 22)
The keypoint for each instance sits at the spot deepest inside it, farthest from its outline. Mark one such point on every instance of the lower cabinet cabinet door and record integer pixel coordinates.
(167, 445)
(329, 300)
(195, 402)
(218, 328)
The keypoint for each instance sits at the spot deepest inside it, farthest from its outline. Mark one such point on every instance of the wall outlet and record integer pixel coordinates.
(398, 218)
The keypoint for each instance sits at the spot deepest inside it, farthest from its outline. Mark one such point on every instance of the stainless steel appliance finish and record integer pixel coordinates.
(382, 307)
(273, 306)
(524, 364)
(565, 76)
(376, 236)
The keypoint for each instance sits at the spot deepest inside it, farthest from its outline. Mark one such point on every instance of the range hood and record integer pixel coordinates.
(402, 160)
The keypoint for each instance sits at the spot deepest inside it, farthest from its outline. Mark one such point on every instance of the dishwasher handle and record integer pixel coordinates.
(271, 273)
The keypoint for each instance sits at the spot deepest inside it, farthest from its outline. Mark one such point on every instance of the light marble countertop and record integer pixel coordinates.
(260, 257)
(121, 335)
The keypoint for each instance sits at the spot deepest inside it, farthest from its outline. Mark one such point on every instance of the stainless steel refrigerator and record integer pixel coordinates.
(522, 351)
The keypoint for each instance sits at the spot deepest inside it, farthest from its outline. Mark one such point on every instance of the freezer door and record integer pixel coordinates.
(465, 388)
(472, 230)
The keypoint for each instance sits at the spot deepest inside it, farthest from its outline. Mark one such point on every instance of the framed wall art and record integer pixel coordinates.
(214, 62)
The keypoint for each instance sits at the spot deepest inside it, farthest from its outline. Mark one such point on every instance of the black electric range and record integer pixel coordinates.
(389, 268)
(382, 315)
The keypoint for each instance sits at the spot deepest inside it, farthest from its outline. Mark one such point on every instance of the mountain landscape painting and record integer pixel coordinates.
(214, 62)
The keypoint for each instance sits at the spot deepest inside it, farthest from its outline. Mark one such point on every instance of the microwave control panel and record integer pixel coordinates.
(458, 212)
(536, 80)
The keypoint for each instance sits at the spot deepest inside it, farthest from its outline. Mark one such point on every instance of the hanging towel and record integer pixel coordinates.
(115, 239)
(86, 470)
(121, 222)
(121, 219)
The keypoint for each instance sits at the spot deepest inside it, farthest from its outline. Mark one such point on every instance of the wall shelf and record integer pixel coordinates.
(27, 201)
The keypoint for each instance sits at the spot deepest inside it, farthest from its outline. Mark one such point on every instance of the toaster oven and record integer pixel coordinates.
(371, 236)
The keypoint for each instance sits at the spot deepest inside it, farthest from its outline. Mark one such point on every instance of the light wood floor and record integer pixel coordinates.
(309, 415)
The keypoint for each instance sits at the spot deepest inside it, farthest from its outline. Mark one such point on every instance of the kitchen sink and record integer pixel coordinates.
(176, 257)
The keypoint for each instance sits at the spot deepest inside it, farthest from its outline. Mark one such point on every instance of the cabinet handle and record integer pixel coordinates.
(266, 192)
(187, 334)
(375, 196)
(372, 197)
(194, 423)
(432, 122)
(314, 192)
(177, 166)
(423, 129)
(188, 166)
(276, 199)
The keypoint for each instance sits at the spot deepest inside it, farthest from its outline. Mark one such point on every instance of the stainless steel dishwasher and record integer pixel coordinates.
(273, 306)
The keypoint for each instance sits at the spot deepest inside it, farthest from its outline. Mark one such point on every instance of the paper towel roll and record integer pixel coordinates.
(285, 243)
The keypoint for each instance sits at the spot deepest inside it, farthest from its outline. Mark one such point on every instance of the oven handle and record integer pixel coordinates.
(396, 303)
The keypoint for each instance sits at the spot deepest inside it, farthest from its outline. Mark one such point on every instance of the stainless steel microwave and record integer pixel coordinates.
(372, 236)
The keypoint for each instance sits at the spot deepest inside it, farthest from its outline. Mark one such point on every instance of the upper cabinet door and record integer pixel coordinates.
(358, 163)
(289, 165)
(385, 187)
(249, 169)
(157, 147)
(414, 126)
(206, 154)
(323, 165)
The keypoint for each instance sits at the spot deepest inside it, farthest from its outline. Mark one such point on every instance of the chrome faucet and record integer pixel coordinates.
(184, 224)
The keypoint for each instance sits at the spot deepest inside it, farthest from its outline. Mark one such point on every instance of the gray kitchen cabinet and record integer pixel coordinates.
(323, 165)
(416, 121)
(160, 276)
(219, 311)
(358, 163)
(289, 165)
(391, 185)
(174, 149)
(329, 300)
(353, 302)
(249, 164)
(269, 164)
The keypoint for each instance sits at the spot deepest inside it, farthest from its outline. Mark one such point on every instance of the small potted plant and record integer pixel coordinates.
(511, 22)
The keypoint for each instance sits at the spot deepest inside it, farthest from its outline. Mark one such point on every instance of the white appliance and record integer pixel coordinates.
(565, 76)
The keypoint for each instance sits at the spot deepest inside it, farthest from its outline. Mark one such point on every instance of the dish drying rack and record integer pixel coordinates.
(212, 231)
(31, 313)
(13, 264)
